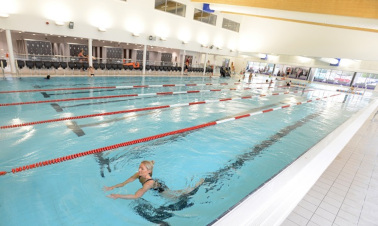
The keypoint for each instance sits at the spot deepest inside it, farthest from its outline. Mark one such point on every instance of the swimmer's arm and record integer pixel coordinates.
(131, 179)
(147, 186)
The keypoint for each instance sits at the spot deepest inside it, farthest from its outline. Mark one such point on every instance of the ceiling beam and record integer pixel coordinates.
(350, 8)
(307, 22)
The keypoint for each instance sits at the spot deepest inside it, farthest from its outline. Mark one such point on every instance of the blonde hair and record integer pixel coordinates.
(149, 165)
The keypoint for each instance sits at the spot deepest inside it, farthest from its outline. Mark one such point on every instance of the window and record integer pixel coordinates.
(204, 17)
(170, 7)
(365, 80)
(230, 25)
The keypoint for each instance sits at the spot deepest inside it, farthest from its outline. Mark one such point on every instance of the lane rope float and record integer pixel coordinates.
(125, 87)
(117, 87)
(120, 96)
(138, 109)
(116, 96)
(146, 139)
(349, 91)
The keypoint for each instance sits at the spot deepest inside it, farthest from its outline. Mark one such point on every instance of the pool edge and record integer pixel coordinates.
(271, 206)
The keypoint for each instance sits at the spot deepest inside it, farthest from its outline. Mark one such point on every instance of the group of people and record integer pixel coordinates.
(225, 72)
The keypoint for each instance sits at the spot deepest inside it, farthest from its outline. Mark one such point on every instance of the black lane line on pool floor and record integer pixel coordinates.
(158, 214)
(59, 108)
(131, 82)
(256, 150)
(144, 148)
(45, 95)
(75, 128)
(165, 109)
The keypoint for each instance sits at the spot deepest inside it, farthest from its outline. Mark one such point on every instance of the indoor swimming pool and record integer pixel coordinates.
(86, 133)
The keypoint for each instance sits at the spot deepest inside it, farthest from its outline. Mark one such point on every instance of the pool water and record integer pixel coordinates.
(234, 158)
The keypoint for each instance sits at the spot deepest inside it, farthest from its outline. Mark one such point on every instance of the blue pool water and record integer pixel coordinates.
(234, 158)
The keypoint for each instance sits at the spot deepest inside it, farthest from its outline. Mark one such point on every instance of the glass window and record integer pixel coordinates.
(205, 17)
(230, 25)
(170, 7)
(365, 80)
(321, 75)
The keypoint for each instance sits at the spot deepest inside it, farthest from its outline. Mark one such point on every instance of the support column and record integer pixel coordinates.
(90, 58)
(353, 77)
(144, 59)
(308, 75)
(10, 50)
(183, 62)
(205, 64)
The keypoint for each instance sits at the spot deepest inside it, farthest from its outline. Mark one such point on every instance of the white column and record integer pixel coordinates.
(90, 58)
(183, 62)
(10, 50)
(144, 59)
(205, 64)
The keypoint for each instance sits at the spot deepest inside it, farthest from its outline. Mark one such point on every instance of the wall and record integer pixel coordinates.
(257, 35)
(120, 19)
(288, 38)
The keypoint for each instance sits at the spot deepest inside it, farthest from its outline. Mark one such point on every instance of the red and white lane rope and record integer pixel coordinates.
(117, 96)
(136, 110)
(146, 139)
(117, 87)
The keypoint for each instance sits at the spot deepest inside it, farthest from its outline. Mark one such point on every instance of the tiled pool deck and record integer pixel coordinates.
(347, 192)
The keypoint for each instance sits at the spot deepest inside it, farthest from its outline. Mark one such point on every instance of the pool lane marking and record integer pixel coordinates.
(146, 139)
(118, 96)
(141, 109)
(117, 87)
(123, 87)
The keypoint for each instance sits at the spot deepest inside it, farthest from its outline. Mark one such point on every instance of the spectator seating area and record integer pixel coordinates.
(79, 68)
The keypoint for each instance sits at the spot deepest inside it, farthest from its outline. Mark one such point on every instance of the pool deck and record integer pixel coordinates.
(347, 192)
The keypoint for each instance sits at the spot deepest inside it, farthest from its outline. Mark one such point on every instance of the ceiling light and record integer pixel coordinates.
(135, 34)
(59, 23)
(4, 15)
(102, 29)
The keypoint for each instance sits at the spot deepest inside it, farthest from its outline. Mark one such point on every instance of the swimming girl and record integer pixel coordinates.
(144, 175)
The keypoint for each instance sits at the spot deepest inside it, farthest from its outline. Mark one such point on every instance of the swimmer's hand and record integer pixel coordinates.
(114, 196)
(107, 188)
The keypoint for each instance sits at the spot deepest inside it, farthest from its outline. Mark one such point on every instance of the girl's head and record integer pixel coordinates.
(147, 166)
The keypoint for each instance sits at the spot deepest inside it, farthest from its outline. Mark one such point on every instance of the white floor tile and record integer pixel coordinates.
(320, 220)
(298, 219)
(325, 214)
(347, 216)
(308, 205)
(350, 186)
(332, 201)
(351, 209)
(303, 212)
(288, 222)
(330, 208)
(342, 222)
